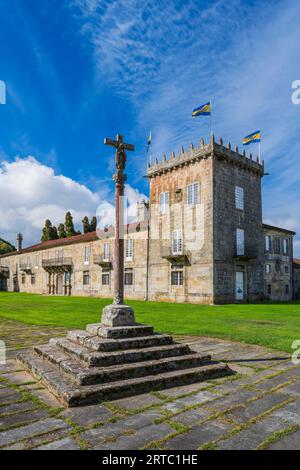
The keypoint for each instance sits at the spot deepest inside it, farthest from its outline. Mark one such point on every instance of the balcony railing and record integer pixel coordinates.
(103, 261)
(176, 256)
(56, 262)
(4, 271)
(247, 255)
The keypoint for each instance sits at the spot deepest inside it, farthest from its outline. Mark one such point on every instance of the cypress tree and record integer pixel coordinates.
(46, 233)
(86, 225)
(93, 224)
(61, 231)
(53, 233)
(69, 225)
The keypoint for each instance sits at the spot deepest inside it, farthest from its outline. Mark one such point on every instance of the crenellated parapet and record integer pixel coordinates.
(202, 151)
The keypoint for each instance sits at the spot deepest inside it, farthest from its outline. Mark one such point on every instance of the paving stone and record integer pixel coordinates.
(185, 389)
(197, 399)
(21, 418)
(12, 397)
(272, 382)
(288, 442)
(87, 415)
(250, 438)
(190, 417)
(243, 370)
(39, 427)
(17, 407)
(37, 441)
(47, 398)
(138, 440)
(289, 413)
(257, 407)
(19, 377)
(135, 422)
(226, 402)
(199, 435)
(292, 389)
(139, 401)
(6, 392)
(64, 444)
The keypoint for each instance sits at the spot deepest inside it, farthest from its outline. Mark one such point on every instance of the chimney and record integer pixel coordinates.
(19, 241)
(142, 211)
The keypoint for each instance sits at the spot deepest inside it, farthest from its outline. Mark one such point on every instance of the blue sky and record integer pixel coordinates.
(79, 70)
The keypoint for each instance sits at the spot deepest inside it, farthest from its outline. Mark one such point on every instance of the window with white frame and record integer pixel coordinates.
(37, 262)
(177, 242)
(163, 202)
(193, 194)
(86, 278)
(285, 246)
(268, 268)
(86, 255)
(239, 198)
(106, 251)
(240, 242)
(267, 243)
(28, 263)
(176, 278)
(286, 269)
(129, 249)
(128, 278)
(105, 279)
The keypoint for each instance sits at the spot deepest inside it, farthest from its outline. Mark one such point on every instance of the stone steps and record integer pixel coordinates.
(117, 332)
(96, 343)
(76, 395)
(87, 376)
(104, 359)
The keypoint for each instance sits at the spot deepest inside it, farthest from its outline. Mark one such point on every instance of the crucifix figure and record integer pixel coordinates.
(119, 314)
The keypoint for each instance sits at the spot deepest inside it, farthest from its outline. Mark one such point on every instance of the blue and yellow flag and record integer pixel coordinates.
(254, 137)
(203, 110)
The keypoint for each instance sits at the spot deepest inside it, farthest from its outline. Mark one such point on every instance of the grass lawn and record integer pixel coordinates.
(274, 325)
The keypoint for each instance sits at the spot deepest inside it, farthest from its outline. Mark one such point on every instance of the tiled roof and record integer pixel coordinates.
(85, 237)
(278, 229)
(296, 262)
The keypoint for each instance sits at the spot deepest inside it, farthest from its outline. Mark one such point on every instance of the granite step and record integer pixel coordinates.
(75, 395)
(116, 332)
(97, 343)
(104, 359)
(87, 376)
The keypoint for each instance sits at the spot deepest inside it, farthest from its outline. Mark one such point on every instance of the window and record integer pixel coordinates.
(67, 277)
(268, 268)
(267, 243)
(176, 278)
(28, 263)
(19, 263)
(239, 198)
(105, 279)
(32, 279)
(287, 289)
(37, 262)
(86, 278)
(177, 242)
(59, 254)
(285, 246)
(240, 242)
(23, 278)
(277, 246)
(269, 289)
(128, 279)
(286, 269)
(163, 202)
(193, 194)
(106, 251)
(86, 255)
(129, 249)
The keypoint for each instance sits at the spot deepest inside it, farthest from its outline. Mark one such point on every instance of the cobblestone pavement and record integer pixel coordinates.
(257, 408)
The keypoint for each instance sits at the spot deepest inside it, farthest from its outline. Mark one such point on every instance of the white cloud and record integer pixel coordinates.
(30, 192)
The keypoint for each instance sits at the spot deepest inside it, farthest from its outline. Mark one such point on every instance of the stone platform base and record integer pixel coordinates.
(103, 363)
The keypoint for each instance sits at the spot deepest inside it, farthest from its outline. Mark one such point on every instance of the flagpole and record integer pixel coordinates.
(210, 117)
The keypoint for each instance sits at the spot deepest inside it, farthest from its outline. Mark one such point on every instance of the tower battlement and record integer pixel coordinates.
(205, 150)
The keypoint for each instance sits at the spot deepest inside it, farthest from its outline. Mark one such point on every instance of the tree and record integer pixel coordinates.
(93, 224)
(53, 233)
(46, 233)
(61, 231)
(70, 231)
(86, 224)
(6, 247)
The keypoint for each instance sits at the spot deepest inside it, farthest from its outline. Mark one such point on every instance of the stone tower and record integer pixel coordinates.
(206, 226)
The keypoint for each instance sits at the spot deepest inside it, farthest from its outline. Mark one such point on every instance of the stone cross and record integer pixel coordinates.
(119, 314)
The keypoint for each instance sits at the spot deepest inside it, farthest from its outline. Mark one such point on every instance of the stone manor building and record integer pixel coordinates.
(200, 239)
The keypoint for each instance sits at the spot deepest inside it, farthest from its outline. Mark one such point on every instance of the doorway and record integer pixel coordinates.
(60, 284)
